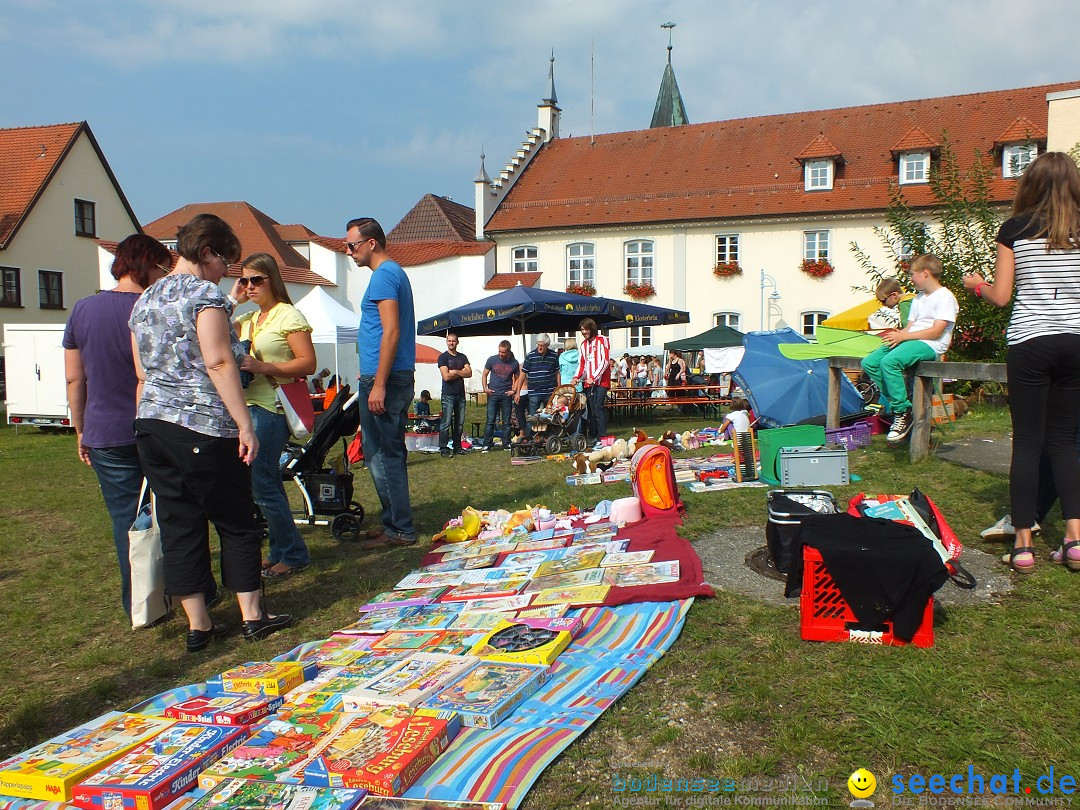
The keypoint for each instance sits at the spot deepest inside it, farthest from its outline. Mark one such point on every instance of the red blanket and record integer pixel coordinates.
(655, 534)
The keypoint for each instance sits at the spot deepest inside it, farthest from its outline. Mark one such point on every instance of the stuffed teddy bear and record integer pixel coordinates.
(620, 449)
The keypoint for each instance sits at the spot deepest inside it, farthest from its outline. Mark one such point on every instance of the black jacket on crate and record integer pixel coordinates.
(883, 569)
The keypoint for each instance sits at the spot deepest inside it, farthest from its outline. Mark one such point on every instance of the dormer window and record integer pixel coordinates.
(1015, 158)
(818, 174)
(914, 167)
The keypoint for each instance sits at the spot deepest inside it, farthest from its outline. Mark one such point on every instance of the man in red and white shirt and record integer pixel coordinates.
(594, 372)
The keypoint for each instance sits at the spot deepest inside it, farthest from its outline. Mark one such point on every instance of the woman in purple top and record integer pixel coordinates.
(101, 386)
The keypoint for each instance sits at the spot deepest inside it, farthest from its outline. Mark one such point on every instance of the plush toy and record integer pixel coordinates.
(668, 439)
(689, 440)
(620, 449)
(581, 464)
(600, 456)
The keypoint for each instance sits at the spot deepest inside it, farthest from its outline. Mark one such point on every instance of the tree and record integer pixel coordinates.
(960, 229)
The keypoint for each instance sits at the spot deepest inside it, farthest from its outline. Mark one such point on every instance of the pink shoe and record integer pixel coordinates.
(1068, 555)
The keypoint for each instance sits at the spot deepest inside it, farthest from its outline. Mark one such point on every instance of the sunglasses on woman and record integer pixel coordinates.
(254, 281)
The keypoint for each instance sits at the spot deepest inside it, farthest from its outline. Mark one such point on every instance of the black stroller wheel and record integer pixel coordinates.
(578, 442)
(553, 445)
(356, 509)
(345, 527)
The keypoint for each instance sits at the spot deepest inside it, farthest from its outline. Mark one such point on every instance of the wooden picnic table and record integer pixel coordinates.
(710, 400)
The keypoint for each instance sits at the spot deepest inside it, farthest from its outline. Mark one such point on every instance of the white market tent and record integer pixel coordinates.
(331, 322)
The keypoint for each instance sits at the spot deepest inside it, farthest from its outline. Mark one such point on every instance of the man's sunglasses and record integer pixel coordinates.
(254, 281)
(352, 246)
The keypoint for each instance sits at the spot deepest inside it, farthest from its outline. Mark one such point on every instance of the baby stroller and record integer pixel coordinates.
(326, 492)
(555, 436)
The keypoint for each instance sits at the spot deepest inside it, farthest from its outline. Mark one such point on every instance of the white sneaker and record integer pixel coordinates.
(1004, 529)
(901, 427)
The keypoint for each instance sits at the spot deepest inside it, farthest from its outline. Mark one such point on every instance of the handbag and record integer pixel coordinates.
(149, 602)
(295, 402)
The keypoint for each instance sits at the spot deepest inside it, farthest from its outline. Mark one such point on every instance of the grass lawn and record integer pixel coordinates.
(739, 696)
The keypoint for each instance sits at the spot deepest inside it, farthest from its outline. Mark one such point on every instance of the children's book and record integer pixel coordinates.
(407, 640)
(519, 643)
(571, 579)
(500, 605)
(407, 683)
(474, 622)
(890, 510)
(543, 545)
(573, 562)
(460, 553)
(276, 750)
(574, 597)
(530, 559)
(224, 710)
(500, 574)
(625, 576)
(615, 558)
(449, 565)
(426, 578)
(545, 612)
(407, 597)
(50, 770)
(154, 773)
(480, 561)
(245, 794)
(594, 529)
(456, 642)
(383, 752)
(262, 678)
(376, 621)
(430, 617)
(541, 534)
(485, 695)
(485, 590)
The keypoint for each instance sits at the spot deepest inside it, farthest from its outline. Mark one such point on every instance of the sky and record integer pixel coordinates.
(317, 111)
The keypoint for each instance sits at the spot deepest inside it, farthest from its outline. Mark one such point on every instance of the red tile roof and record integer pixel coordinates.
(258, 233)
(29, 157)
(746, 168)
(504, 281)
(820, 147)
(913, 139)
(411, 254)
(436, 219)
(294, 233)
(1022, 129)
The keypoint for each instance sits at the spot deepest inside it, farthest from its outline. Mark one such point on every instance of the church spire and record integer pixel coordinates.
(551, 97)
(670, 110)
(549, 112)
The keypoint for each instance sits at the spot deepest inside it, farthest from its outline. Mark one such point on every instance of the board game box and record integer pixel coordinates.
(407, 683)
(51, 769)
(224, 710)
(383, 752)
(485, 695)
(154, 773)
(270, 678)
(250, 794)
(519, 643)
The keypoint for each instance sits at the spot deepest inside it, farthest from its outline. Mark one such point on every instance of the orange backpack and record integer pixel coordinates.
(653, 478)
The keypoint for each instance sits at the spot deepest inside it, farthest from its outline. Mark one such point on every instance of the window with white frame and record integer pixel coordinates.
(639, 336)
(1016, 157)
(818, 175)
(914, 167)
(525, 259)
(639, 262)
(727, 248)
(811, 321)
(581, 264)
(731, 319)
(815, 245)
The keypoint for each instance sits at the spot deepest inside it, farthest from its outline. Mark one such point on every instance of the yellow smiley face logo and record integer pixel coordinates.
(862, 784)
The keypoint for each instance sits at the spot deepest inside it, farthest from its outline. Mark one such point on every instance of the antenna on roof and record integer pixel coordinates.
(592, 92)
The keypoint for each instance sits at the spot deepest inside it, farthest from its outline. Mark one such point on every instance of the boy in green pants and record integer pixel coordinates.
(926, 337)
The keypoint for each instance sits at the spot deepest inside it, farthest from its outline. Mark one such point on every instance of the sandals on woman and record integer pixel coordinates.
(1068, 555)
(1020, 566)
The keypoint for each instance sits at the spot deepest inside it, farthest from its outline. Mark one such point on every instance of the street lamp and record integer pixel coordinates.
(774, 296)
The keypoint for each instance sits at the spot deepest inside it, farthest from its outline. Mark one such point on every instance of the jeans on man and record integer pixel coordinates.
(597, 418)
(120, 476)
(452, 423)
(529, 405)
(385, 454)
(497, 404)
(286, 544)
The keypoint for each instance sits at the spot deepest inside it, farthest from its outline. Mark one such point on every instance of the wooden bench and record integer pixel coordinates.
(709, 398)
(924, 372)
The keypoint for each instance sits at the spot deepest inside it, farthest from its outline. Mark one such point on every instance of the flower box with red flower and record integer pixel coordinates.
(639, 292)
(727, 269)
(581, 289)
(819, 268)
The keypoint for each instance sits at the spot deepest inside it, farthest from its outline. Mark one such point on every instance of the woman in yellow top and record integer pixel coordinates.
(281, 348)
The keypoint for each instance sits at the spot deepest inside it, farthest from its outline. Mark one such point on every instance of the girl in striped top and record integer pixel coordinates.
(1038, 252)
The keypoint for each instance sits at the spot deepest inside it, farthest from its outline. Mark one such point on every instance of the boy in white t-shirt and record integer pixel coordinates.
(927, 336)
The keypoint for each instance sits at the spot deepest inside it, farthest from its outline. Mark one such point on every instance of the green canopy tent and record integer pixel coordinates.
(719, 337)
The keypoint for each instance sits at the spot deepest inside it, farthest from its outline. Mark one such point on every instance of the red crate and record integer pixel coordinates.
(826, 616)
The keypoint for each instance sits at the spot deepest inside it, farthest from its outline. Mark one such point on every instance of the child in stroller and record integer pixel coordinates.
(556, 427)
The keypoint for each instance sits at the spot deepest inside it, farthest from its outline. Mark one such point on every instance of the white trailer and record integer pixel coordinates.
(34, 372)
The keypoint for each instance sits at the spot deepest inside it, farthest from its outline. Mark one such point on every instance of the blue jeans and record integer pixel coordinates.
(597, 419)
(497, 404)
(120, 476)
(384, 451)
(529, 405)
(286, 545)
(452, 423)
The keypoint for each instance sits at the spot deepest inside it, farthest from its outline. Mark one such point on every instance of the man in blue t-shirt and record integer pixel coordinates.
(499, 379)
(540, 375)
(387, 347)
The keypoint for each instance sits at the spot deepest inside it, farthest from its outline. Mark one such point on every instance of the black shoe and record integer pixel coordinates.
(200, 639)
(461, 451)
(215, 600)
(445, 452)
(901, 427)
(261, 628)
